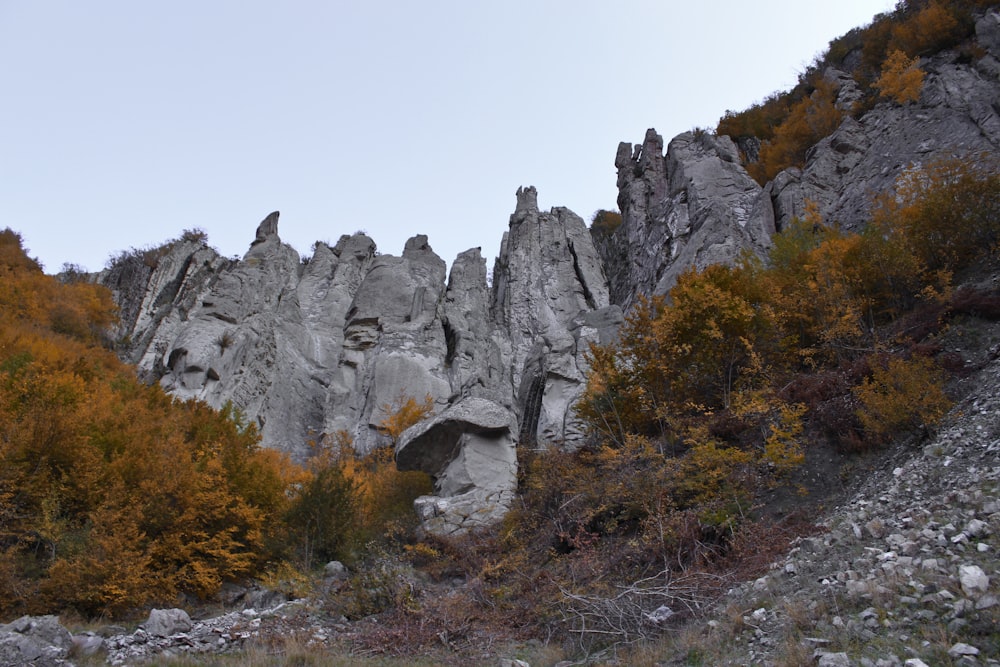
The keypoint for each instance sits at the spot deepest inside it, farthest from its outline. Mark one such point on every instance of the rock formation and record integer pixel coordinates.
(307, 349)
(696, 205)
(470, 451)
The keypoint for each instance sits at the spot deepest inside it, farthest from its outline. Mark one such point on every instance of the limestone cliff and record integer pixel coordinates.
(308, 349)
(695, 204)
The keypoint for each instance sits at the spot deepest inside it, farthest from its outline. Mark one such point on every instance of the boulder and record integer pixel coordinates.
(35, 640)
(335, 570)
(166, 622)
(470, 452)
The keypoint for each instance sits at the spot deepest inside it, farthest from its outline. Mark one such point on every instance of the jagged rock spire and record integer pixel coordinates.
(267, 228)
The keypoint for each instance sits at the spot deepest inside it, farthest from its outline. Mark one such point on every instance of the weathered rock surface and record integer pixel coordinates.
(550, 299)
(308, 349)
(470, 452)
(694, 206)
(955, 116)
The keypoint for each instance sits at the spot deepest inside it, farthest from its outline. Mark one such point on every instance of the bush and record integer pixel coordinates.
(901, 79)
(901, 395)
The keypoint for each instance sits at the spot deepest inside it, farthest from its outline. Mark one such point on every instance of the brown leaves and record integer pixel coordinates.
(901, 79)
(111, 493)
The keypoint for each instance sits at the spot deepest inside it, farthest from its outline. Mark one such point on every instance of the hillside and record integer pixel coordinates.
(749, 418)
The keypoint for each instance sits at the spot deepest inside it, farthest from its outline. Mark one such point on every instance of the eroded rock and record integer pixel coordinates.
(470, 452)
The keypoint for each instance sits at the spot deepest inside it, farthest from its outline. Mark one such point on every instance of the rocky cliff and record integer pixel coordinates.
(695, 205)
(309, 349)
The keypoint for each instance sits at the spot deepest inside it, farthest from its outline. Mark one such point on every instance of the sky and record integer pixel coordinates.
(124, 123)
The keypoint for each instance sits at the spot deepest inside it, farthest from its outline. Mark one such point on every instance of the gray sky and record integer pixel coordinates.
(123, 123)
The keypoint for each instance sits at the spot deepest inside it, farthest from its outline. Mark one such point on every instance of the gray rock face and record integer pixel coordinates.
(549, 292)
(470, 452)
(955, 116)
(693, 206)
(334, 344)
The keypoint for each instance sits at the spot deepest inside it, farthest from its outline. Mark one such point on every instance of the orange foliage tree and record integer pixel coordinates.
(808, 120)
(901, 79)
(112, 494)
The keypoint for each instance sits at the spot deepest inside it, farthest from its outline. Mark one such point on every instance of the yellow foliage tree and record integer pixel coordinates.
(808, 120)
(928, 30)
(112, 494)
(403, 413)
(901, 395)
(901, 79)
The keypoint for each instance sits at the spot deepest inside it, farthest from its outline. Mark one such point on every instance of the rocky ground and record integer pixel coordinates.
(906, 571)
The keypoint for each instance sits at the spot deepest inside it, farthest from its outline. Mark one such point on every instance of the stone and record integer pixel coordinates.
(987, 602)
(974, 581)
(37, 640)
(335, 570)
(825, 659)
(976, 528)
(660, 615)
(958, 650)
(166, 622)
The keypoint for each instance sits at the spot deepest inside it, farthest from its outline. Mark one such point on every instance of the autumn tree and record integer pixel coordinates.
(113, 494)
(809, 120)
(947, 214)
(901, 79)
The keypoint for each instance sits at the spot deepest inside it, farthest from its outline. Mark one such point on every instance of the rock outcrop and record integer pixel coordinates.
(693, 206)
(696, 205)
(332, 345)
(308, 349)
(956, 116)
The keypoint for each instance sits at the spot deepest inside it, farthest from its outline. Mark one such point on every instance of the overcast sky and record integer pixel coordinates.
(123, 123)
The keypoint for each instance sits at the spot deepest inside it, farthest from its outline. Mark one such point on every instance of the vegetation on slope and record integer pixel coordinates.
(882, 57)
(113, 495)
(711, 400)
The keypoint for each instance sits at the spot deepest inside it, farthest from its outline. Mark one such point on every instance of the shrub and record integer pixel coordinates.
(901, 79)
(325, 514)
(605, 222)
(901, 395)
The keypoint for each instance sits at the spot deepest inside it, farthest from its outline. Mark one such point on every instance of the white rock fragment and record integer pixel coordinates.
(973, 579)
(960, 649)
